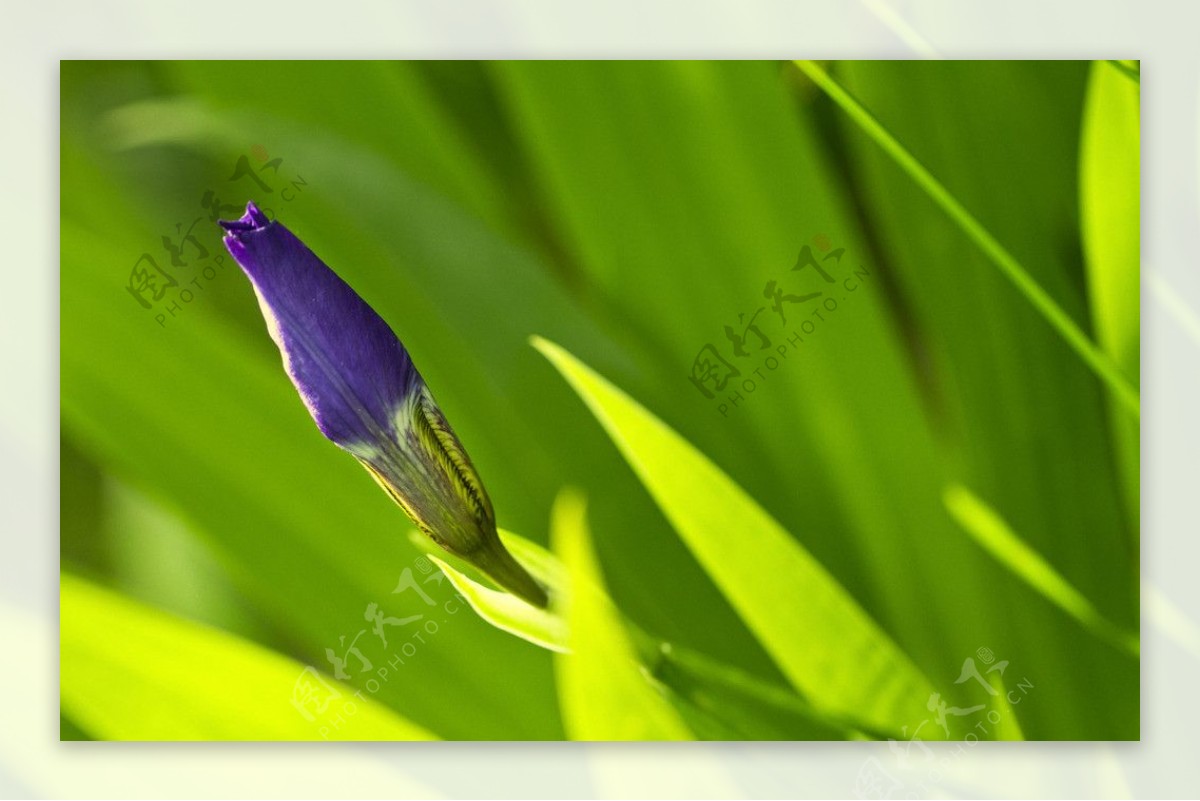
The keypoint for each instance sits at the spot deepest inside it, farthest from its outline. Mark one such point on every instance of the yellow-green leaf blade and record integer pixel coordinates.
(822, 640)
(1110, 211)
(724, 699)
(191, 682)
(604, 693)
(542, 627)
(1110, 219)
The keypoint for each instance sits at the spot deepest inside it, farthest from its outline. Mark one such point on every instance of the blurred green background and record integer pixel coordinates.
(629, 211)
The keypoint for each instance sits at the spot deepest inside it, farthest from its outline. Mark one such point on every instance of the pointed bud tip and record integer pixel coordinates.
(252, 220)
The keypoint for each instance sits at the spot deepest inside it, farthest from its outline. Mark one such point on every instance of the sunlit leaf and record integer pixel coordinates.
(717, 701)
(604, 693)
(191, 682)
(1110, 205)
(821, 639)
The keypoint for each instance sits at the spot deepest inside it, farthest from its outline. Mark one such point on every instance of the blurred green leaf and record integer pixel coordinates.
(406, 126)
(1008, 727)
(1104, 368)
(1110, 211)
(820, 637)
(992, 534)
(605, 693)
(187, 681)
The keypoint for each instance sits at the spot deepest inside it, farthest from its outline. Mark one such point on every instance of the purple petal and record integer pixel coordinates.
(348, 366)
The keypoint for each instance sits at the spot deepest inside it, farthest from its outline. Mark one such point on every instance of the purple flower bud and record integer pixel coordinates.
(362, 389)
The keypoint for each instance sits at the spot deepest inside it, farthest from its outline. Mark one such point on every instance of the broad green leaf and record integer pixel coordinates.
(1110, 211)
(995, 536)
(542, 627)
(191, 682)
(604, 693)
(821, 639)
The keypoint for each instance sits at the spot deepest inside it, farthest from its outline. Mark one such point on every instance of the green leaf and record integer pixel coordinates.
(1110, 209)
(1008, 727)
(717, 701)
(995, 536)
(1131, 69)
(605, 694)
(191, 682)
(720, 697)
(818, 635)
(542, 627)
